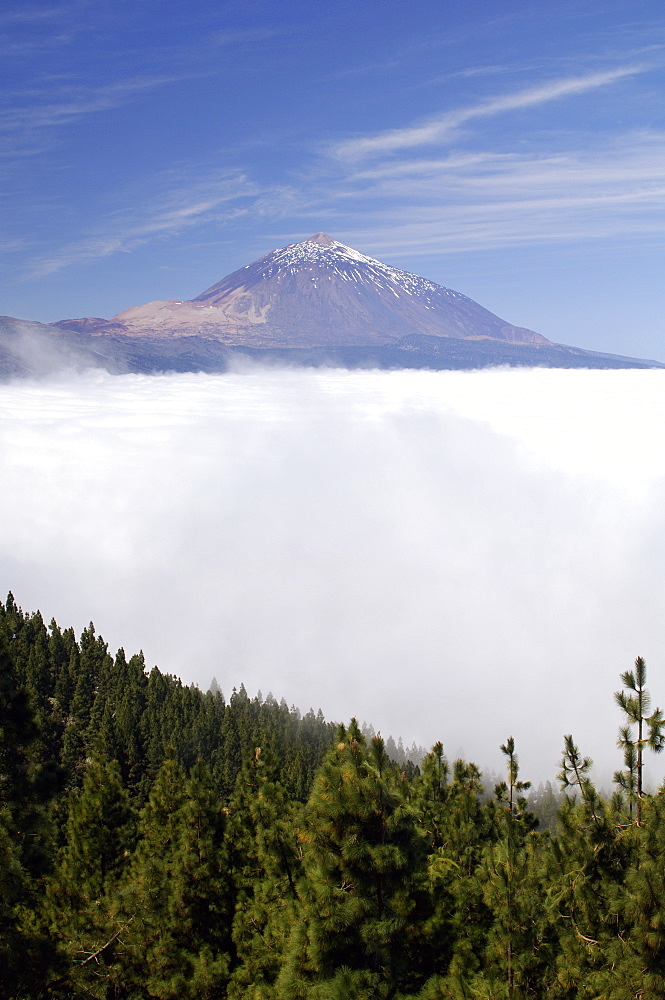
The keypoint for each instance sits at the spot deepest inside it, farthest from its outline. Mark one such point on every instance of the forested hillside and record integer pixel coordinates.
(156, 841)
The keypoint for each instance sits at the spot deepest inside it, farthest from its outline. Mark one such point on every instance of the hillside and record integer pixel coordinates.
(157, 842)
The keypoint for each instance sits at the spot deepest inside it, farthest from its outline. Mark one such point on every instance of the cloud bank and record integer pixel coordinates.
(448, 555)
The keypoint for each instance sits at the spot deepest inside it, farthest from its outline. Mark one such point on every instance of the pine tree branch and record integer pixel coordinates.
(583, 937)
(94, 955)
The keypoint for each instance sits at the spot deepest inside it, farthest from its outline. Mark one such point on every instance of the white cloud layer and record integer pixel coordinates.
(447, 555)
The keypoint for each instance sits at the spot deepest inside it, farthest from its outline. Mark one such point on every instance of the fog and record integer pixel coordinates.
(447, 555)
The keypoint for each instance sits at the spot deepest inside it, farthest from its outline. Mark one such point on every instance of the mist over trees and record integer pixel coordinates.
(158, 841)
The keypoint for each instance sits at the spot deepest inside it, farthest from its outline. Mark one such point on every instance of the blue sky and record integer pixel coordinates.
(512, 151)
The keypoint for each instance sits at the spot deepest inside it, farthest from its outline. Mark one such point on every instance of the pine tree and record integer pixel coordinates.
(650, 733)
(431, 803)
(360, 850)
(431, 796)
(81, 904)
(265, 861)
(586, 863)
(88, 666)
(638, 957)
(627, 779)
(469, 831)
(25, 955)
(508, 876)
(230, 751)
(177, 898)
(575, 774)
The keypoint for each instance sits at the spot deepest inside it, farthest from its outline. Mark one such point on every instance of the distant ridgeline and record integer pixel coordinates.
(158, 842)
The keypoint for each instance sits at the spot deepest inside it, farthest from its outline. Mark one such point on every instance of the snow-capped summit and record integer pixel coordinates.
(323, 252)
(316, 293)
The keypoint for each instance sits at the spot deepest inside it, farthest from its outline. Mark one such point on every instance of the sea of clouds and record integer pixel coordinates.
(448, 555)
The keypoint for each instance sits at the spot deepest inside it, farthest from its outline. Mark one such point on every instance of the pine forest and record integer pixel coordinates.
(159, 841)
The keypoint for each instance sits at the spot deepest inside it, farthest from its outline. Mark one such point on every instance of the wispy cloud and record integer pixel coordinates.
(438, 129)
(35, 29)
(602, 186)
(597, 186)
(30, 14)
(460, 202)
(11, 47)
(379, 192)
(217, 200)
(77, 101)
(623, 164)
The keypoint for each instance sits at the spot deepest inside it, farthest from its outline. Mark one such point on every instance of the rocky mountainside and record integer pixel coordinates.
(318, 293)
(313, 303)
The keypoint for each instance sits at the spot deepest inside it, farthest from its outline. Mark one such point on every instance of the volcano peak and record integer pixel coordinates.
(322, 239)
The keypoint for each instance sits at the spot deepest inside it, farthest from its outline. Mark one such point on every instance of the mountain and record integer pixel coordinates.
(312, 303)
(318, 293)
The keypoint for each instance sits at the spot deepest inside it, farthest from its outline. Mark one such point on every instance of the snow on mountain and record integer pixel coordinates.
(322, 252)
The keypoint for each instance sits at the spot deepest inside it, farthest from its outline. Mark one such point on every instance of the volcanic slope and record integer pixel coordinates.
(318, 293)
